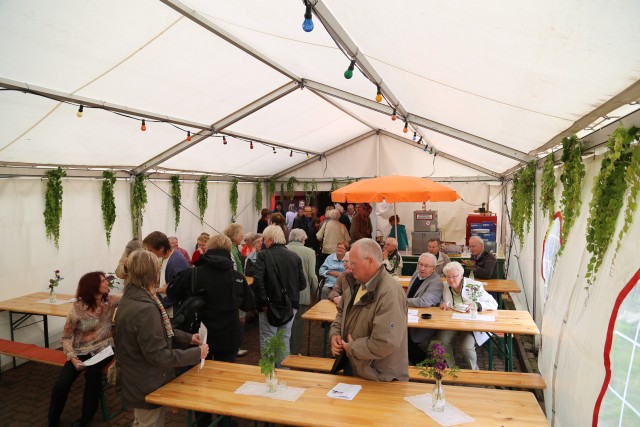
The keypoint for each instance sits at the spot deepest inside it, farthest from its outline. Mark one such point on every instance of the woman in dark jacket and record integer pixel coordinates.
(144, 340)
(225, 291)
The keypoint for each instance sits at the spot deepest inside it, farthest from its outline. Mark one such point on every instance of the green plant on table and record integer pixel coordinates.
(53, 283)
(435, 365)
(272, 352)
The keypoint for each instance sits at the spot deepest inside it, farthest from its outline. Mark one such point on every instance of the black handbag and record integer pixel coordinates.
(281, 312)
(188, 315)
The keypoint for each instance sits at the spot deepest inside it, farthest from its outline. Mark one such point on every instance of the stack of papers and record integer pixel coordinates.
(467, 316)
(412, 315)
(344, 391)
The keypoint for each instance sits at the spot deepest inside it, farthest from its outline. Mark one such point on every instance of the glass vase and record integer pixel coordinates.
(437, 397)
(471, 276)
(473, 309)
(52, 296)
(272, 381)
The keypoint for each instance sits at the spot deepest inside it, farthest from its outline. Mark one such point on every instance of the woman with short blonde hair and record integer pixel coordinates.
(219, 241)
(144, 341)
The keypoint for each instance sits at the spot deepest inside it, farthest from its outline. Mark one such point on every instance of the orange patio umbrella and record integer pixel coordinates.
(394, 189)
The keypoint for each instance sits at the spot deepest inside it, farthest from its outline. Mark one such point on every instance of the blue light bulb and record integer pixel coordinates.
(307, 25)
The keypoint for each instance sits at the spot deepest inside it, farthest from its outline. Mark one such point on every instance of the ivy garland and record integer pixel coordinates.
(108, 203)
(349, 181)
(334, 184)
(202, 196)
(609, 189)
(307, 193)
(282, 192)
(53, 204)
(291, 187)
(572, 175)
(138, 203)
(632, 178)
(547, 192)
(522, 198)
(258, 200)
(271, 190)
(233, 199)
(175, 196)
(314, 188)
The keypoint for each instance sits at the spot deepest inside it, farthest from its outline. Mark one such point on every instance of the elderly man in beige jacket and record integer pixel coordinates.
(370, 329)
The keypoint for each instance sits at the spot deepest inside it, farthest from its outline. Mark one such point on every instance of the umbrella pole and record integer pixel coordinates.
(395, 223)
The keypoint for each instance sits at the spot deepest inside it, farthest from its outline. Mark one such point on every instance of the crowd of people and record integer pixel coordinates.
(294, 258)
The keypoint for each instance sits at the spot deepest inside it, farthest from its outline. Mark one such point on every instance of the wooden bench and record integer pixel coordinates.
(53, 357)
(464, 376)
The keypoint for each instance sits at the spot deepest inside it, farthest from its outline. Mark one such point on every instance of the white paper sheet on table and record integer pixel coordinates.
(412, 315)
(467, 316)
(344, 391)
(99, 357)
(451, 415)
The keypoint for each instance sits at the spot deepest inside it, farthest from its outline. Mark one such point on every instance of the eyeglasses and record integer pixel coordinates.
(427, 266)
(453, 277)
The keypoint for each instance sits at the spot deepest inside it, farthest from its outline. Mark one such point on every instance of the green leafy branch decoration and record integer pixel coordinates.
(314, 188)
(572, 175)
(282, 192)
(271, 189)
(233, 199)
(334, 184)
(547, 191)
(609, 189)
(522, 198)
(202, 196)
(307, 193)
(53, 204)
(291, 187)
(632, 178)
(108, 203)
(138, 202)
(175, 197)
(258, 200)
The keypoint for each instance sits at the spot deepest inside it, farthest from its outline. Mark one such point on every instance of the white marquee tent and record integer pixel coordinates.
(485, 87)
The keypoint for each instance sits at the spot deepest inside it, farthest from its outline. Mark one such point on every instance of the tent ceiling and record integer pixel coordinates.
(515, 75)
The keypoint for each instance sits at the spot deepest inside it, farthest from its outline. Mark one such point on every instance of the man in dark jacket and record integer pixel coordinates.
(486, 264)
(277, 269)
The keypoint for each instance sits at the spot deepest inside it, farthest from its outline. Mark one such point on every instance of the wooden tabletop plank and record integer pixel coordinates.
(29, 304)
(377, 404)
(507, 321)
(490, 285)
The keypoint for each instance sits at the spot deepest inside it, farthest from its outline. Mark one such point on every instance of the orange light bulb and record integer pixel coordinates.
(144, 126)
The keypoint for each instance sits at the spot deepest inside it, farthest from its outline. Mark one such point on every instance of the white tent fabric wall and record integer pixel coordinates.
(573, 327)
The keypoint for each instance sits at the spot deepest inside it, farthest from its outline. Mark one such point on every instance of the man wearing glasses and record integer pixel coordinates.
(425, 290)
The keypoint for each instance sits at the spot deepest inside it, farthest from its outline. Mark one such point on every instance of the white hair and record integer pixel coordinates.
(454, 266)
(369, 248)
(432, 257)
(275, 233)
(297, 235)
(477, 239)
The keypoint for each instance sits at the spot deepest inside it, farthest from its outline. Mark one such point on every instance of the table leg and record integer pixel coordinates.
(500, 305)
(309, 339)
(46, 330)
(12, 335)
(325, 326)
(509, 359)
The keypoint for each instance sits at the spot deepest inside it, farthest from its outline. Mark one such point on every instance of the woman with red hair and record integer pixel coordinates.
(87, 332)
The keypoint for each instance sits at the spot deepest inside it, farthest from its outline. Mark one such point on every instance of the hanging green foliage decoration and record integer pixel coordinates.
(522, 198)
(571, 178)
(307, 193)
(202, 196)
(53, 204)
(632, 178)
(547, 190)
(175, 197)
(282, 192)
(609, 189)
(258, 200)
(233, 199)
(334, 184)
(314, 188)
(291, 187)
(271, 190)
(138, 203)
(108, 203)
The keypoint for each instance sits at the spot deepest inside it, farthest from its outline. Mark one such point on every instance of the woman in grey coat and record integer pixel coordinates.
(144, 341)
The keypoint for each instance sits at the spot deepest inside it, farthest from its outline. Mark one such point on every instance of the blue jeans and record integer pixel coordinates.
(266, 331)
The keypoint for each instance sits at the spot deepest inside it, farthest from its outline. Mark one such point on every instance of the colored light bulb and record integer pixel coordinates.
(79, 113)
(224, 140)
(291, 153)
(414, 136)
(307, 24)
(144, 126)
(251, 145)
(349, 73)
(274, 150)
(378, 95)
(406, 127)
(393, 116)
(426, 147)
(188, 136)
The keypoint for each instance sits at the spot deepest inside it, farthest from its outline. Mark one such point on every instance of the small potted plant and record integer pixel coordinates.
(470, 264)
(271, 354)
(474, 294)
(435, 366)
(113, 281)
(53, 283)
